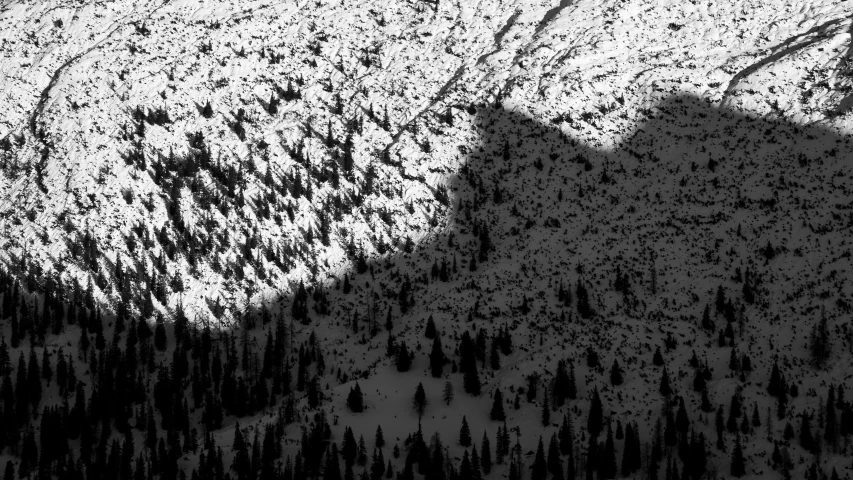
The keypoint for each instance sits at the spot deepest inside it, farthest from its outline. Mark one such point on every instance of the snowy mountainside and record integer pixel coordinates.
(206, 157)
(75, 75)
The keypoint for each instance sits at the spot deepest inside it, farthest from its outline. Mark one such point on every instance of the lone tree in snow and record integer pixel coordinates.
(420, 400)
(447, 393)
(355, 400)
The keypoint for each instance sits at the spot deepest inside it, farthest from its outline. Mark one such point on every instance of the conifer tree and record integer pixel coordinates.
(497, 413)
(595, 419)
(830, 432)
(476, 472)
(553, 455)
(430, 331)
(465, 433)
(465, 470)
(539, 470)
(486, 454)
(355, 399)
(447, 393)
(664, 383)
(616, 374)
(609, 459)
(494, 356)
(379, 439)
(546, 410)
(160, 333)
(572, 390)
(471, 380)
(820, 345)
(561, 384)
(657, 358)
(436, 358)
(404, 359)
(806, 438)
(420, 401)
(349, 448)
(738, 466)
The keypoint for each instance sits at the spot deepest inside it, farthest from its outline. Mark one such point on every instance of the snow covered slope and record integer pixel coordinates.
(74, 74)
(676, 137)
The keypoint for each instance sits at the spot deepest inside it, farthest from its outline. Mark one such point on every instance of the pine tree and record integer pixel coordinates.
(476, 472)
(546, 410)
(404, 359)
(494, 356)
(572, 390)
(596, 413)
(806, 438)
(820, 344)
(379, 439)
(734, 360)
(160, 334)
(609, 460)
(553, 455)
(447, 393)
(561, 384)
(616, 374)
(486, 454)
(539, 470)
(465, 433)
(830, 432)
(497, 413)
(471, 380)
(664, 383)
(738, 466)
(436, 358)
(657, 358)
(420, 401)
(465, 470)
(430, 331)
(355, 399)
(349, 448)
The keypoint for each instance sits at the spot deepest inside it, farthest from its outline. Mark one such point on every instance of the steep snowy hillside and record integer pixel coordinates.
(596, 180)
(96, 97)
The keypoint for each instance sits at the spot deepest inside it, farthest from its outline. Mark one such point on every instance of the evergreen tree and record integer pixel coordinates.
(664, 383)
(465, 470)
(584, 309)
(616, 374)
(465, 433)
(806, 438)
(471, 380)
(355, 399)
(429, 331)
(486, 455)
(349, 448)
(539, 469)
(447, 393)
(561, 384)
(379, 439)
(596, 412)
(404, 359)
(436, 358)
(657, 358)
(476, 472)
(738, 466)
(609, 459)
(553, 455)
(820, 344)
(420, 401)
(160, 333)
(546, 410)
(497, 413)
